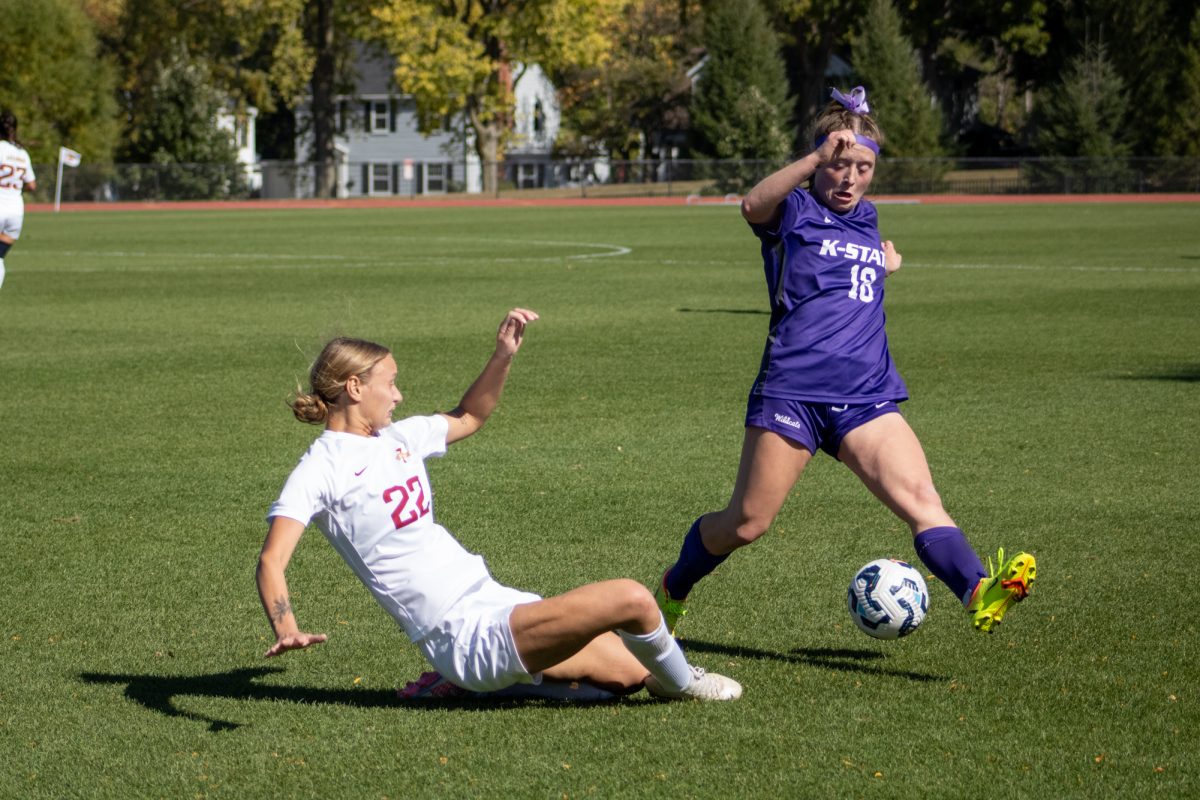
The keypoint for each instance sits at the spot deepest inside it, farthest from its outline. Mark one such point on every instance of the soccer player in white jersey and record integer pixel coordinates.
(363, 482)
(16, 175)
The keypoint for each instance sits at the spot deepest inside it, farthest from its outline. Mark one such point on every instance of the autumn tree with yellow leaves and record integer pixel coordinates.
(465, 57)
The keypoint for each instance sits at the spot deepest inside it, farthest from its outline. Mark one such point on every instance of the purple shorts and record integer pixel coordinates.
(813, 425)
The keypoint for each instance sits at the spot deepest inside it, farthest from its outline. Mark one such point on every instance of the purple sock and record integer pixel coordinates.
(694, 563)
(948, 555)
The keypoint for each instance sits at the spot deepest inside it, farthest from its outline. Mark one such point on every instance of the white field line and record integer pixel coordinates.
(358, 261)
(1023, 267)
(199, 256)
(611, 249)
(1045, 268)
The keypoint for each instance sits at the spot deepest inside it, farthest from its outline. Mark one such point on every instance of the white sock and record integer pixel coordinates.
(659, 653)
(1, 271)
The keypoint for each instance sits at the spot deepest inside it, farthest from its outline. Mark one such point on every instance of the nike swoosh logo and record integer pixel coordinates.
(881, 405)
(839, 409)
(360, 472)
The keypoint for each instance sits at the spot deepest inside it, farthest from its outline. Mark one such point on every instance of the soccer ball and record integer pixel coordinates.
(888, 599)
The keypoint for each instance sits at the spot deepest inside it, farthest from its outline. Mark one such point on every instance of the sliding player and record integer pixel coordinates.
(363, 482)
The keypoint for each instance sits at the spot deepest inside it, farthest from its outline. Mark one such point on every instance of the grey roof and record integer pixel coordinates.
(373, 69)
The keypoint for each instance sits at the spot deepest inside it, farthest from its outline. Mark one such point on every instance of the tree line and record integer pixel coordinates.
(141, 81)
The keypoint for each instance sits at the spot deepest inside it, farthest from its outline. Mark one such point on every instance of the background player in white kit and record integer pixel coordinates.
(16, 175)
(363, 482)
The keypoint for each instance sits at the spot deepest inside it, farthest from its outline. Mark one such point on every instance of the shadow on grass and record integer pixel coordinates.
(722, 311)
(1187, 373)
(158, 693)
(840, 659)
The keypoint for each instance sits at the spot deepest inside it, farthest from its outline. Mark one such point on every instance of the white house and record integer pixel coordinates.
(243, 131)
(380, 152)
(535, 128)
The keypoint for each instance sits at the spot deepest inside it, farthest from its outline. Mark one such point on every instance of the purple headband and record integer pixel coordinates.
(856, 103)
(865, 141)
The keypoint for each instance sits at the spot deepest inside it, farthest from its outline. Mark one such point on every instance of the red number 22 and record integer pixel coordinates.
(420, 509)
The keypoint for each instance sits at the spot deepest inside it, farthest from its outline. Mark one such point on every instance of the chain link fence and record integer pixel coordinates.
(100, 183)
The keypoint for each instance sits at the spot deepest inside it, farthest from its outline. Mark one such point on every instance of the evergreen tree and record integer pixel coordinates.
(740, 107)
(1154, 39)
(1080, 124)
(886, 63)
(1181, 136)
(1084, 114)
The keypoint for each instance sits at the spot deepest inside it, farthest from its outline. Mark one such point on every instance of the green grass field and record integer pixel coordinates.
(1052, 354)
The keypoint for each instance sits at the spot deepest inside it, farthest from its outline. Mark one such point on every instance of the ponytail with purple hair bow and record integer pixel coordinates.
(856, 103)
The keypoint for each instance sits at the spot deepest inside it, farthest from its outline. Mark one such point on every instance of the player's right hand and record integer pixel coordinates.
(835, 143)
(294, 641)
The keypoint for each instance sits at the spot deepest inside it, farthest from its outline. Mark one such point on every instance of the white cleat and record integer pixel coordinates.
(704, 686)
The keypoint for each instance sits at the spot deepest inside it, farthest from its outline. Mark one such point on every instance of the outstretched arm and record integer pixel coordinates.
(481, 399)
(277, 550)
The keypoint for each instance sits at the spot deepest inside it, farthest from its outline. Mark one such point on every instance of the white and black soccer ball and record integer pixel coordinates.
(888, 599)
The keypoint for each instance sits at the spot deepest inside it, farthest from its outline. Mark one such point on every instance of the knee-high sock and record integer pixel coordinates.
(1, 271)
(660, 654)
(694, 563)
(948, 555)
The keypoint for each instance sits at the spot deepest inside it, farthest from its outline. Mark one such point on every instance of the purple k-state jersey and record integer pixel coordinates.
(825, 274)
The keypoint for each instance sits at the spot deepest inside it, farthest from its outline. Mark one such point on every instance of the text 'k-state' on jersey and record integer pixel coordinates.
(825, 275)
(15, 170)
(370, 496)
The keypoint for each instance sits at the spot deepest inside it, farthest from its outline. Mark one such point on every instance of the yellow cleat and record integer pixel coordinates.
(999, 590)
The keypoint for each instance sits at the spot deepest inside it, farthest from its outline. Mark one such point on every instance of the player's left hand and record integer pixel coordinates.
(891, 259)
(512, 330)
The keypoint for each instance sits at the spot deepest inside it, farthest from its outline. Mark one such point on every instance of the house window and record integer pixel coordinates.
(379, 117)
(435, 178)
(381, 179)
(527, 176)
(539, 120)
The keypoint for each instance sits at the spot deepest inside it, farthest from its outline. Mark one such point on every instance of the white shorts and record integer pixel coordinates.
(473, 645)
(12, 217)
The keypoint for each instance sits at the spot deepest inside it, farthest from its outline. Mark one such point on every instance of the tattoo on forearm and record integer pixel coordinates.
(280, 609)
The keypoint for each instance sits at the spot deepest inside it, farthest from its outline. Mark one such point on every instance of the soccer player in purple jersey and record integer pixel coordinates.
(827, 380)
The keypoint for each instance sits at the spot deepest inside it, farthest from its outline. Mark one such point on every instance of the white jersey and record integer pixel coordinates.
(370, 496)
(16, 170)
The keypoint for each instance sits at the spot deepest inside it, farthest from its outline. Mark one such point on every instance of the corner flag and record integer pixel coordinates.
(69, 157)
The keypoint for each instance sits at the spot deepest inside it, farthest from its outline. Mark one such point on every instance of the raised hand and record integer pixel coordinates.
(835, 143)
(512, 330)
